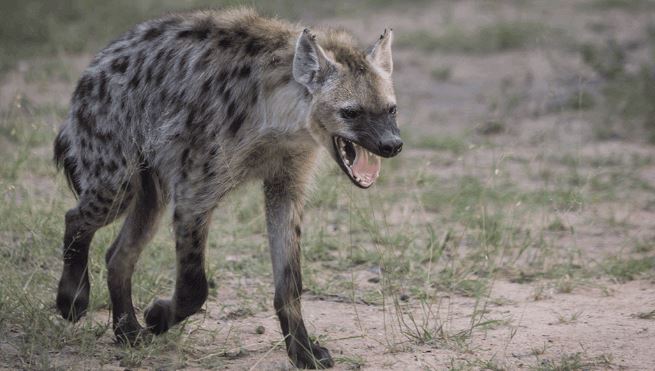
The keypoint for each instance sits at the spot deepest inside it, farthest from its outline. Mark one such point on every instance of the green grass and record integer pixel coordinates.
(495, 37)
(573, 362)
(628, 269)
(625, 93)
(625, 5)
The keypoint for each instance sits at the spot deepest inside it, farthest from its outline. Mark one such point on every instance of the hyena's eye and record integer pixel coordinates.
(392, 110)
(351, 113)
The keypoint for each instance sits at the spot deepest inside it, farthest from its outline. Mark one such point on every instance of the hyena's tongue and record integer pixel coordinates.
(366, 167)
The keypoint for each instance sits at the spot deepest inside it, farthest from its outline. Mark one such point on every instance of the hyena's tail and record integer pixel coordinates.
(64, 160)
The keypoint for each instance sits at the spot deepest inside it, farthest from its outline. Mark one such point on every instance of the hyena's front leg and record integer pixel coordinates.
(191, 288)
(283, 213)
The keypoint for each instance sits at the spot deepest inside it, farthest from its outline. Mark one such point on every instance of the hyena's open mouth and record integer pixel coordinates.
(361, 165)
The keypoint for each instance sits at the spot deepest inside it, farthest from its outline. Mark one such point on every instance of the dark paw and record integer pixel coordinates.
(159, 316)
(317, 357)
(72, 301)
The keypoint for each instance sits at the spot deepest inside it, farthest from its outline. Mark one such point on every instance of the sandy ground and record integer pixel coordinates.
(605, 324)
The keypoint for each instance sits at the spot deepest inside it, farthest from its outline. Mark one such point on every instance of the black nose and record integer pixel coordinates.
(391, 147)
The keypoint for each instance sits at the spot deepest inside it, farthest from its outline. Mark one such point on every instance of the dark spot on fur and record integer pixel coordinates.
(84, 87)
(254, 46)
(85, 119)
(230, 109)
(206, 86)
(185, 157)
(104, 137)
(112, 166)
(244, 71)
(159, 56)
(97, 169)
(183, 61)
(149, 72)
(199, 220)
(199, 34)
(226, 95)
(200, 31)
(160, 77)
(204, 60)
(140, 59)
(225, 42)
(94, 207)
(236, 123)
(120, 64)
(240, 33)
(134, 82)
(102, 85)
(151, 34)
(169, 56)
(190, 119)
(254, 94)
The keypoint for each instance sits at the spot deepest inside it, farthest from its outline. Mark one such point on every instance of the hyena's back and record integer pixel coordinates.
(170, 88)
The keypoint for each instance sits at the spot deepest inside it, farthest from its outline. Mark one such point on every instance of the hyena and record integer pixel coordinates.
(185, 108)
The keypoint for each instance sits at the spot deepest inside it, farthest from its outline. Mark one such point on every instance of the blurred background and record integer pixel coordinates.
(515, 230)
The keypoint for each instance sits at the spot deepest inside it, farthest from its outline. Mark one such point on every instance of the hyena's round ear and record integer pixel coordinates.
(380, 52)
(310, 64)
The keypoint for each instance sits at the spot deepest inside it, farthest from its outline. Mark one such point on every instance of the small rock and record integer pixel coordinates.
(374, 279)
(404, 297)
(260, 329)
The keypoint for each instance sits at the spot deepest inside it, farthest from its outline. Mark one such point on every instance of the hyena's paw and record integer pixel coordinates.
(72, 299)
(159, 316)
(317, 357)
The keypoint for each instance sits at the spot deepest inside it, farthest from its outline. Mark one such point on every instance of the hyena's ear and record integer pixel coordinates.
(380, 53)
(310, 64)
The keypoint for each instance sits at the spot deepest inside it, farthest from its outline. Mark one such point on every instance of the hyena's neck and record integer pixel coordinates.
(285, 109)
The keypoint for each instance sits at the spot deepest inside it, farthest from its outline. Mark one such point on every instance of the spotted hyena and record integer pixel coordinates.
(185, 108)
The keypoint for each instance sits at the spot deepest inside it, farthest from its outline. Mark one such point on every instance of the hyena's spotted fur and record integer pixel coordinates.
(184, 109)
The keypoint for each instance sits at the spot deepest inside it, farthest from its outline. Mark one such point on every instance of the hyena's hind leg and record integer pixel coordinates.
(191, 229)
(98, 206)
(138, 229)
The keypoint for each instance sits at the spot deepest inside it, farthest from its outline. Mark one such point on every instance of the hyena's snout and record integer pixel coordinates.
(390, 145)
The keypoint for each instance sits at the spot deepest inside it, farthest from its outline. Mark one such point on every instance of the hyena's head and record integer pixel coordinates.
(353, 110)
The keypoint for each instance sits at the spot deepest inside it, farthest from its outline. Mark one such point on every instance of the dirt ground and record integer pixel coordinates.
(599, 322)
